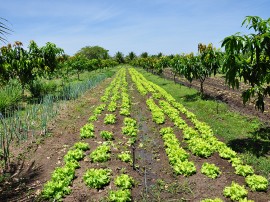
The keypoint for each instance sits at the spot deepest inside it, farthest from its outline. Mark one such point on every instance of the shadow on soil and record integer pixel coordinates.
(258, 144)
(20, 181)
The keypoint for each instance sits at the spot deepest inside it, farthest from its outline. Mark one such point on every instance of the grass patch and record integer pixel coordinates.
(230, 127)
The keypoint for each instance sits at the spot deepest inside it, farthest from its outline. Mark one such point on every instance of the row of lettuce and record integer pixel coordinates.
(61, 180)
(199, 138)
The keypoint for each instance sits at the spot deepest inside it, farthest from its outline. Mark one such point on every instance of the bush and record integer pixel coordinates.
(39, 88)
(10, 95)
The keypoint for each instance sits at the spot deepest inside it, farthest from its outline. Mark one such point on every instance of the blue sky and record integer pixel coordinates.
(167, 26)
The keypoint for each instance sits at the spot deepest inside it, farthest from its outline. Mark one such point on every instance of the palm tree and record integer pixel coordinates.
(4, 30)
(119, 57)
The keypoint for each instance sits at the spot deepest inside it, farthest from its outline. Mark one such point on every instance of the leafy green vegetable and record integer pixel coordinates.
(93, 118)
(112, 106)
(210, 170)
(235, 191)
(200, 147)
(99, 109)
(87, 131)
(185, 168)
(73, 155)
(110, 119)
(61, 178)
(101, 154)
(124, 181)
(97, 178)
(157, 113)
(244, 170)
(81, 145)
(122, 195)
(107, 135)
(227, 153)
(125, 156)
(257, 182)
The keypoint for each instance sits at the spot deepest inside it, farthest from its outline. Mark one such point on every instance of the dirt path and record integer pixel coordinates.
(216, 88)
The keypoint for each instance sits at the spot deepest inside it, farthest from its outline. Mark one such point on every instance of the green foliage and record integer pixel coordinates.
(157, 114)
(124, 181)
(40, 88)
(93, 118)
(210, 170)
(101, 154)
(99, 109)
(131, 56)
(50, 52)
(119, 57)
(186, 168)
(244, 170)
(235, 192)
(178, 157)
(200, 147)
(125, 156)
(58, 186)
(120, 195)
(130, 128)
(97, 178)
(247, 58)
(81, 145)
(110, 119)
(227, 153)
(10, 95)
(26, 65)
(107, 135)
(87, 131)
(74, 155)
(112, 106)
(93, 52)
(257, 182)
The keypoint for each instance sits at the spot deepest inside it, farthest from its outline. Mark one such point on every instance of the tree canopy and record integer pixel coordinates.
(94, 52)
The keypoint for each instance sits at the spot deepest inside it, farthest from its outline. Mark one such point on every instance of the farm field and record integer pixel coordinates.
(128, 139)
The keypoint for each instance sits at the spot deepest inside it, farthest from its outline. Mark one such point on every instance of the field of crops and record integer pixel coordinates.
(139, 144)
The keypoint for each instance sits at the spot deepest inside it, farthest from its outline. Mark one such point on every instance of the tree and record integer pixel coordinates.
(50, 53)
(247, 58)
(26, 65)
(119, 57)
(78, 63)
(209, 63)
(94, 52)
(144, 55)
(131, 56)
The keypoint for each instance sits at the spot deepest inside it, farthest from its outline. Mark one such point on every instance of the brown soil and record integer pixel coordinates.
(215, 87)
(154, 176)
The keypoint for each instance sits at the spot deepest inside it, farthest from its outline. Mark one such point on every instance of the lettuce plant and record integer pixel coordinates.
(124, 181)
(235, 192)
(244, 170)
(210, 170)
(257, 182)
(87, 131)
(107, 135)
(97, 178)
(125, 156)
(121, 195)
(100, 154)
(110, 119)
